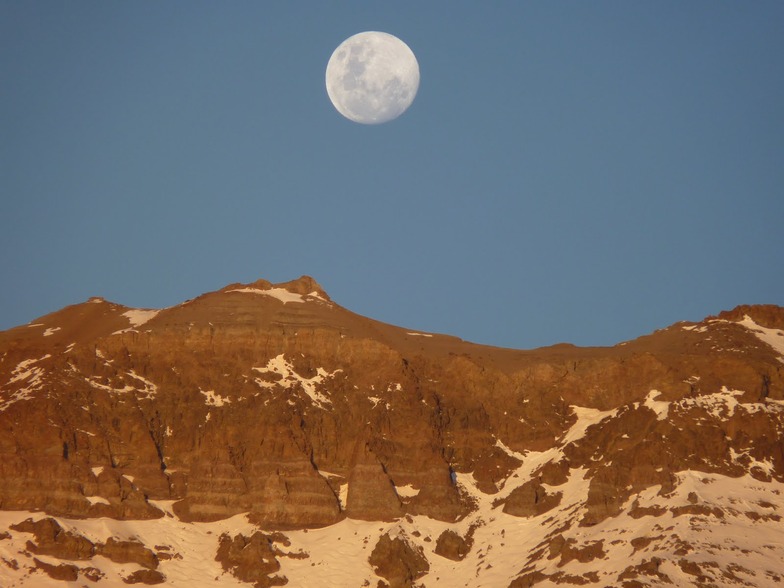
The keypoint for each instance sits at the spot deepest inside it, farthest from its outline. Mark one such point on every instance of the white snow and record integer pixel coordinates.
(26, 378)
(696, 328)
(138, 316)
(283, 295)
(51, 331)
(773, 337)
(149, 389)
(414, 334)
(660, 407)
(343, 495)
(95, 383)
(718, 405)
(192, 547)
(317, 296)
(97, 471)
(280, 293)
(586, 417)
(407, 491)
(97, 500)
(747, 540)
(24, 371)
(290, 379)
(213, 399)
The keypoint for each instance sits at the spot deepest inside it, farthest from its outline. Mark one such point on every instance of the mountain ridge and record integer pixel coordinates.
(271, 406)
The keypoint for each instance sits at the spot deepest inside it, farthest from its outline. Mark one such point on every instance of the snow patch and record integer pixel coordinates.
(660, 407)
(288, 378)
(343, 495)
(746, 540)
(212, 399)
(138, 316)
(511, 452)
(279, 293)
(149, 389)
(772, 337)
(375, 400)
(51, 331)
(407, 491)
(97, 500)
(586, 417)
(24, 371)
(26, 378)
(719, 405)
(696, 328)
(414, 334)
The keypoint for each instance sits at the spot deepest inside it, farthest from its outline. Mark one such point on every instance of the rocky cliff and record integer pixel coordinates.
(273, 405)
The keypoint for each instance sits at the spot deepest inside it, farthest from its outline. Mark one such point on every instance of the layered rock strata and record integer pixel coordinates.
(272, 400)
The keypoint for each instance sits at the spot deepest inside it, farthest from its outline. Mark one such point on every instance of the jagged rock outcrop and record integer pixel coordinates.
(452, 546)
(398, 561)
(251, 559)
(150, 577)
(52, 539)
(531, 499)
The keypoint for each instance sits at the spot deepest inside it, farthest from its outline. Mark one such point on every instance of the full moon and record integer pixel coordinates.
(372, 77)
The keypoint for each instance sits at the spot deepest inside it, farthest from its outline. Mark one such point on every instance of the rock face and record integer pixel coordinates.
(250, 559)
(398, 561)
(272, 402)
(453, 546)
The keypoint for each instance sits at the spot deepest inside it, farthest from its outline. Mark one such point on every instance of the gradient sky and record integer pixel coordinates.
(569, 171)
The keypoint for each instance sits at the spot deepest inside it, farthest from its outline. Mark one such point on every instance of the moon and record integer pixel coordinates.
(372, 77)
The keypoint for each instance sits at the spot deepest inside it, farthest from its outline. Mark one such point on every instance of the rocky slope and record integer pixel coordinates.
(263, 435)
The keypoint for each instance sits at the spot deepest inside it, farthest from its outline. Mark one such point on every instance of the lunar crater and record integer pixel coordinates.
(372, 77)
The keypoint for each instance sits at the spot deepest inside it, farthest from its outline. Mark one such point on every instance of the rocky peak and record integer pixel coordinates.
(303, 286)
(765, 315)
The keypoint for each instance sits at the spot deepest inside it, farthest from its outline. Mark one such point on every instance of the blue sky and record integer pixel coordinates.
(569, 171)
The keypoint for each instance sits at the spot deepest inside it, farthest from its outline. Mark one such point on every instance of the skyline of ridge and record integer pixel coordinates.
(568, 172)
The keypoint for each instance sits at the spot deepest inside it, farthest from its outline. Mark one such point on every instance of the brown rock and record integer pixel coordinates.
(52, 539)
(452, 546)
(528, 579)
(145, 577)
(398, 561)
(371, 493)
(250, 559)
(554, 473)
(584, 553)
(128, 552)
(530, 499)
(65, 572)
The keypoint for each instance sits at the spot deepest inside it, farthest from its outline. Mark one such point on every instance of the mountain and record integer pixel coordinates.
(262, 435)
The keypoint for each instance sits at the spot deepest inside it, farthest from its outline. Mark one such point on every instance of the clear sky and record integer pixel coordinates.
(569, 171)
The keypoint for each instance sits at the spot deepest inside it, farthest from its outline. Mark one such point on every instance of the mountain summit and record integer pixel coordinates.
(263, 435)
